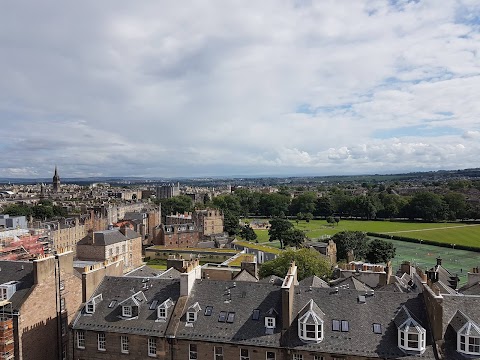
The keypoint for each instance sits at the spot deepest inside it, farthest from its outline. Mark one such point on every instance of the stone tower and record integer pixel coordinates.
(56, 181)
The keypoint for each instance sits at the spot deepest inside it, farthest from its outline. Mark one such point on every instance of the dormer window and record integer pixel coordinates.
(192, 312)
(126, 311)
(92, 304)
(411, 335)
(468, 339)
(310, 323)
(162, 309)
(270, 322)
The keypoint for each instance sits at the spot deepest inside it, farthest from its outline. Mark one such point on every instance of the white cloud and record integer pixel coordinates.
(158, 89)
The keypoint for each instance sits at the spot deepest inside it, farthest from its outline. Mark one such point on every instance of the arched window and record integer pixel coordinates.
(310, 323)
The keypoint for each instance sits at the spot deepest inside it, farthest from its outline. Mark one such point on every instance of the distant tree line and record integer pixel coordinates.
(44, 209)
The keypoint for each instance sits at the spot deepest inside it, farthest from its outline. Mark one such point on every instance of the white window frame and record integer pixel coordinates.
(269, 322)
(310, 328)
(152, 347)
(318, 357)
(90, 307)
(127, 311)
(191, 316)
(467, 347)
(404, 340)
(244, 357)
(101, 342)
(218, 353)
(80, 339)
(124, 344)
(297, 356)
(192, 352)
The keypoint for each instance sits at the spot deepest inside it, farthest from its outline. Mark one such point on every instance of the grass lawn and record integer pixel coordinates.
(450, 233)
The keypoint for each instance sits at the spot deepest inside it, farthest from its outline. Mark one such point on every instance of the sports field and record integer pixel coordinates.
(449, 233)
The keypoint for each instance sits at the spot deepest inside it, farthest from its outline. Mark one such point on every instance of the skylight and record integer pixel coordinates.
(335, 325)
(230, 317)
(208, 310)
(222, 316)
(153, 305)
(256, 314)
(345, 326)
(112, 304)
(377, 328)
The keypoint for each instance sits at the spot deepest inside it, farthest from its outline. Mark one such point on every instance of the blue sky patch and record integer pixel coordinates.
(419, 130)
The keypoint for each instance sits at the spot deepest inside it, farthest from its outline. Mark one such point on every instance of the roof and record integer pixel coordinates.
(109, 237)
(380, 308)
(241, 299)
(351, 282)
(120, 289)
(472, 289)
(314, 281)
(21, 271)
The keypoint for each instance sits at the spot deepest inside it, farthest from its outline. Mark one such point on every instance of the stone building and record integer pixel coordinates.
(56, 181)
(38, 301)
(182, 235)
(110, 245)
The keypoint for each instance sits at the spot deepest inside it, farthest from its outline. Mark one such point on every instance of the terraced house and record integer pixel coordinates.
(189, 318)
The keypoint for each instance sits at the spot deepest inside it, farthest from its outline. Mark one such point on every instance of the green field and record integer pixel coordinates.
(449, 233)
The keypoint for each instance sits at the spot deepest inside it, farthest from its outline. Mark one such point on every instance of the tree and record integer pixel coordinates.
(177, 204)
(247, 233)
(337, 219)
(427, 206)
(273, 204)
(304, 203)
(308, 217)
(457, 205)
(300, 216)
(330, 220)
(324, 207)
(355, 241)
(294, 238)
(279, 230)
(379, 251)
(309, 262)
(231, 222)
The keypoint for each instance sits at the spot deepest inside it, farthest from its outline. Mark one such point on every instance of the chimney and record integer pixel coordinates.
(187, 279)
(439, 261)
(405, 268)
(250, 265)
(43, 268)
(288, 290)
(65, 261)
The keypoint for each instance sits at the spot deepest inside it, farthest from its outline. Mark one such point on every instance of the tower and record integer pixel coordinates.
(56, 181)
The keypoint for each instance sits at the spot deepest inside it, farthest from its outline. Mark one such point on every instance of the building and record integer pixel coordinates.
(208, 222)
(56, 181)
(13, 222)
(194, 318)
(111, 245)
(38, 300)
(168, 191)
(183, 235)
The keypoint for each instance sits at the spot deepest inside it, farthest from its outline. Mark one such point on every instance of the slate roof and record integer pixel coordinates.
(314, 281)
(472, 289)
(381, 308)
(245, 298)
(21, 271)
(109, 237)
(120, 289)
(352, 282)
(145, 271)
(272, 279)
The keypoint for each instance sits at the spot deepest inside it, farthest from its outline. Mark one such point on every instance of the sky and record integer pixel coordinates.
(238, 87)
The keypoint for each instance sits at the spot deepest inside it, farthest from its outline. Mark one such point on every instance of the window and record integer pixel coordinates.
(90, 308)
(152, 347)
(112, 304)
(297, 357)
(230, 317)
(62, 304)
(335, 325)
(192, 352)
(318, 357)
(222, 316)
(218, 351)
(124, 347)
(80, 339)
(244, 355)
(270, 322)
(101, 341)
(310, 325)
(61, 285)
(345, 326)
(127, 311)
(469, 344)
(208, 310)
(162, 313)
(64, 327)
(256, 314)
(270, 355)
(413, 340)
(191, 316)
(377, 328)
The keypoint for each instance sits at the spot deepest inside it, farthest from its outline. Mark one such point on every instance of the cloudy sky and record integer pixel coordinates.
(195, 88)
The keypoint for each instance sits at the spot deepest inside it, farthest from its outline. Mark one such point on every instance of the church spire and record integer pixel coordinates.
(56, 180)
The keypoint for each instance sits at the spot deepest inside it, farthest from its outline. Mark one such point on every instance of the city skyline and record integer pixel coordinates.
(224, 88)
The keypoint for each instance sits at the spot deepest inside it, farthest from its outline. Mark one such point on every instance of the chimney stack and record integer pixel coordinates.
(439, 261)
(288, 289)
